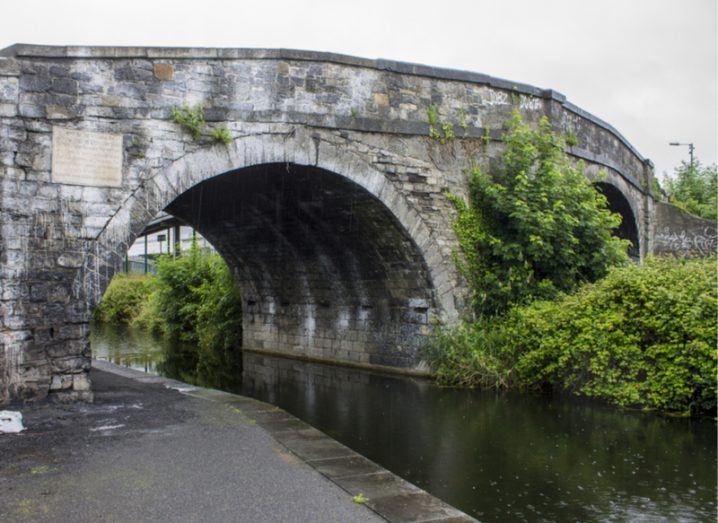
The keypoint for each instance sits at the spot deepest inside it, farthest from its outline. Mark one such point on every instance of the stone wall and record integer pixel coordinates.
(360, 123)
(683, 234)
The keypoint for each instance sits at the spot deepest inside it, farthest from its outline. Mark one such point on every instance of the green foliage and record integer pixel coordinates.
(695, 189)
(432, 114)
(448, 130)
(536, 228)
(644, 336)
(360, 498)
(219, 324)
(462, 121)
(438, 130)
(571, 138)
(656, 188)
(190, 118)
(123, 299)
(221, 134)
(487, 136)
(201, 306)
(470, 355)
(194, 302)
(149, 318)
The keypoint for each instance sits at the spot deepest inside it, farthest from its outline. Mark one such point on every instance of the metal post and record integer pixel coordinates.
(691, 150)
(178, 239)
(145, 254)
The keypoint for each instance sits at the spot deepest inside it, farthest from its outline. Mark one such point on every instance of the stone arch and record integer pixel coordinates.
(619, 203)
(295, 148)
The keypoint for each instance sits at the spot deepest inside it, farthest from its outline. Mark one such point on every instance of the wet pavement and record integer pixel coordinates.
(151, 448)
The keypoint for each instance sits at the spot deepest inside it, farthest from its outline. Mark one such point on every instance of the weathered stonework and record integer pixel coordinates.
(329, 203)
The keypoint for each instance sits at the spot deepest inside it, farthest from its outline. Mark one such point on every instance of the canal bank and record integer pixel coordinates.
(152, 448)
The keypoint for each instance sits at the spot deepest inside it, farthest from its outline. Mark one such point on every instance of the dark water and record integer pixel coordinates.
(499, 457)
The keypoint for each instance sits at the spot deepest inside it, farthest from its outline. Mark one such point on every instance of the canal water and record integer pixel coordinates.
(498, 457)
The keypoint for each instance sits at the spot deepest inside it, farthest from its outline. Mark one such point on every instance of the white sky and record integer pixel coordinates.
(648, 67)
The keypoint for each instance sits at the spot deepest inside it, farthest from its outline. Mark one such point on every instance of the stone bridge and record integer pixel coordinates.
(328, 201)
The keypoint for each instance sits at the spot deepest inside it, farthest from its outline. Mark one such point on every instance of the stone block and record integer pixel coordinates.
(164, 71)
(81, 382)
(61, 382)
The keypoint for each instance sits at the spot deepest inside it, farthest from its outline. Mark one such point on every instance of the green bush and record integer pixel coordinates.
(694, 187)
(149, 317)
(200, 306)
(219, 327)
(194, 301)
(123, 298)
(644, 336)
(535, 227)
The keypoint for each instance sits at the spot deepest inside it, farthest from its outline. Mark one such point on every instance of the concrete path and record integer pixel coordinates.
(143, 451)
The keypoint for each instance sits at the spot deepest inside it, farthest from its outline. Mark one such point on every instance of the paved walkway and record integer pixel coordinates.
(143, 451)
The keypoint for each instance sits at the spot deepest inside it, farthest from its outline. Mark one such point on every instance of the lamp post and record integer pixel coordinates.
(691, 149)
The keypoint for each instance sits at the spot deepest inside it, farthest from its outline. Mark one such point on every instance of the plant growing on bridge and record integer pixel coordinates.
(438, 130)
(571, 138)
(534, 228)
(221, 134)
(190, 118)
(462, 121)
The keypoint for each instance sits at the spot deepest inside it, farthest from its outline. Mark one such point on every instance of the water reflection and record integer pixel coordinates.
(499, 457)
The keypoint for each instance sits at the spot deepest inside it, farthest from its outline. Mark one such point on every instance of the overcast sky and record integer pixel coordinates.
(648, 67)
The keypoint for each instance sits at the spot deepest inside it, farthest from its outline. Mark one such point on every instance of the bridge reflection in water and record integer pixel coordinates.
(498, 457)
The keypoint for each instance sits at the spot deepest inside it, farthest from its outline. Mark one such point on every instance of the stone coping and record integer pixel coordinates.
(194, 53)
(390, 496)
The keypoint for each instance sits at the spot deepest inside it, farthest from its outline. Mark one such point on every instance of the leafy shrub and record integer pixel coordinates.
(149, 318)
(178, 298)
(536, 227)
(194, 301)
(644, 336)
(695, 189)
(123, 298)
(200, 305)
(219, 327)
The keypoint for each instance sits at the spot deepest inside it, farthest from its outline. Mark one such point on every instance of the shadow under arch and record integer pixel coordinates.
(408, 280)
(618, 203)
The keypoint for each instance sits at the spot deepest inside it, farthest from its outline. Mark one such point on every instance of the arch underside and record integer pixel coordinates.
(618, 203)
(325, 269)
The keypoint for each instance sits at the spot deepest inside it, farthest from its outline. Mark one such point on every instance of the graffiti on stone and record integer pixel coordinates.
(704, 242)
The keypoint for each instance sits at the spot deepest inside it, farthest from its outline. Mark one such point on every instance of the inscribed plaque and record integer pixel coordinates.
(86, 157)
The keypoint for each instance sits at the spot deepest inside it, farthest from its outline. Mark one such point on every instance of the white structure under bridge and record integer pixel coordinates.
(163, 235)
